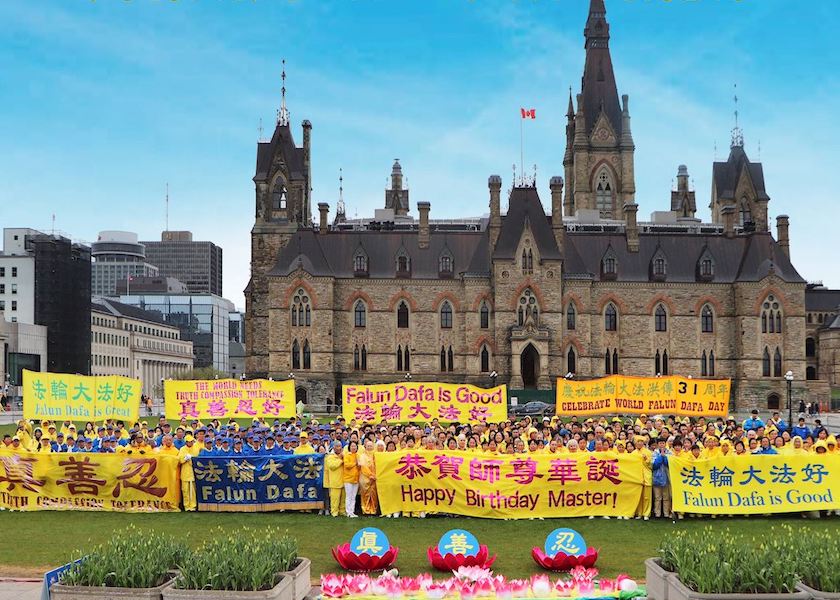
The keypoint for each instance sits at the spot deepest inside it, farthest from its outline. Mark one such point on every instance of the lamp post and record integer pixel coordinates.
(493, 376)
(789, 379)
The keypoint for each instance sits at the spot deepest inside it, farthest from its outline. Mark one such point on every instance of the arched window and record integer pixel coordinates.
(665, 369)
(657, 364)
(765, 363)
(707, 320)
(399, 358)
(777, 363)
(810, 373)
(301, 315)
(821, 318)
(364, 357)
(771, 316)
(485, 360)
(745, 214)
(571, 317)
(571, 360)
(527, 261)
(615, 362)
(402, 315)
(442, 359)
(307, 355)
(810, 347)
(403, 265)
(607, 363)
(704, 369)
(660, 318)
(357, 358)
(295, 355)
(360, 264)
(527, 309)
(445, 266)
(810, 320)
(450, 359)
(712, 363)
(604, 195)
(359, 314)
(278, 195)
(446, 315)
(707, 268)
(610, 318)
(406, 359)
(484, 316)
(659, 267)
(778, 321)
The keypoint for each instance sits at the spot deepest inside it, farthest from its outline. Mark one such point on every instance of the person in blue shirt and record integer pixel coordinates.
(753, 422)
(661, 483)
(286, 449)
(765, 447)
(58, 445)
(225, 448)
(270, 447)
(779, 423)
(800, 429)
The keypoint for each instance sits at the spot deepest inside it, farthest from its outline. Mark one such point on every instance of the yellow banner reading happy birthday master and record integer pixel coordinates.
(89, 481)
(227, 398)
(755, 484)
(58, 397)
(622, 394)
(509, 486)
(410, 401)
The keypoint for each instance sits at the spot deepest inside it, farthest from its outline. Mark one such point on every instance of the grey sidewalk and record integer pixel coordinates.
(20, 590)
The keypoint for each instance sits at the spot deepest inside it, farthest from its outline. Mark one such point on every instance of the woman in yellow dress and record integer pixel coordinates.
(367, 479)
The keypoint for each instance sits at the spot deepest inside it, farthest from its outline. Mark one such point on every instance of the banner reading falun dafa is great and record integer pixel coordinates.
(60, 396)
(623, 394)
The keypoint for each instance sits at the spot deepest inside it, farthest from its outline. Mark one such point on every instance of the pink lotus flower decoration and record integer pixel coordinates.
(451, 562)
(332, 586)
(467, 574)
(351, 561)
(541, 586)
(562, 561)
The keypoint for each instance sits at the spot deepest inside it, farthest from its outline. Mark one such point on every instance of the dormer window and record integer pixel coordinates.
(360, 264)
(658, 266)
(609, 265)
(706, 266)
(445, 268)
(403, 264)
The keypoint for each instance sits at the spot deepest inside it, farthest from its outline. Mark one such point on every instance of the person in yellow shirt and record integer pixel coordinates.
(334, 478)
(367, 479)
(645, 502)
(16, 446)
(44, 446)
(351, 479)
(167, 447)
(305, 447)
(185, 455)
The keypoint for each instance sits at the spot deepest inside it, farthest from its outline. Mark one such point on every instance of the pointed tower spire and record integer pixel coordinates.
(598, 82)
(340, 206)
(283, 113)
(570, 113)
(737, 132)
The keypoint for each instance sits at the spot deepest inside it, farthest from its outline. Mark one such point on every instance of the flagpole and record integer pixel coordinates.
(521, 146)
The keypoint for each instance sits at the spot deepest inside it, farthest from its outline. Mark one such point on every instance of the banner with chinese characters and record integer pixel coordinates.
(621, 394)
(755, 484)
(83, 481)
(259, 483)
(59, 397)
(509, 486)
(410, 401)
(226, 398)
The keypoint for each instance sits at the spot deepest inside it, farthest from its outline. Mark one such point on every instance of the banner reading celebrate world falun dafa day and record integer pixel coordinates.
(59, 396)
(229, 398)
(416, 401)
(622, 394)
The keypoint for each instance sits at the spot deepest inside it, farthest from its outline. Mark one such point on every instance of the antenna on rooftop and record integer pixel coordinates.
(167, 206)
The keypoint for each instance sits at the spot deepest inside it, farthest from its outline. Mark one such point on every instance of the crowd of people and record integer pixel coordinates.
(350, 448)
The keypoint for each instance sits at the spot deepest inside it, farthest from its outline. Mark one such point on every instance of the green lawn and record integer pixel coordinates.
(45, 539)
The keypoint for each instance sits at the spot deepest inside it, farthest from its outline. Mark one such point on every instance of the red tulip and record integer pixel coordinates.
(450, 562)
(351, 561)
(562, 561)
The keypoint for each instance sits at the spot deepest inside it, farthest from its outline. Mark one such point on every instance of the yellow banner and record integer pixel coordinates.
(509, 486)
(621, 394)
(89, 481)
(58, 397)
(755, 484)
(423, 402)
(229, 398)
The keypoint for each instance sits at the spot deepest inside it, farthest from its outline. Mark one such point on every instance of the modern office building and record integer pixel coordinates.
(151, 285)
(117, 256)
(22, 346)
(201, 318)
(45, 280)
(197, 264)
(129, 341)
(237, 327)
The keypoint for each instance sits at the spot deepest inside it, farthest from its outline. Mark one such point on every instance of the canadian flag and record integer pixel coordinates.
(528, 113)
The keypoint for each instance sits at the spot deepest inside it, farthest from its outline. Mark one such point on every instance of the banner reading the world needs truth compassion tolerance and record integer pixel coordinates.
(59, 397)
(415, 401)
(622, 394)
(755, 484)
(259, 483)
(82, 481)
(229, 398)
(509, 486)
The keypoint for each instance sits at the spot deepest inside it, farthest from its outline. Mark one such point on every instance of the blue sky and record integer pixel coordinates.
(105, 101)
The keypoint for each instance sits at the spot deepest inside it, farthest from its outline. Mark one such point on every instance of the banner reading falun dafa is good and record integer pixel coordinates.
(622, 394)
(59, 396)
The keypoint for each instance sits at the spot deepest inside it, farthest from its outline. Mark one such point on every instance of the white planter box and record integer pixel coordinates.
(677, 590)
(817, 594)
(79, 592)
(302, 578)
(282, 591)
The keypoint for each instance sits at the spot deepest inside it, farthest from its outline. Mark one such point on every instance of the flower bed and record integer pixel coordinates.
(468, 583)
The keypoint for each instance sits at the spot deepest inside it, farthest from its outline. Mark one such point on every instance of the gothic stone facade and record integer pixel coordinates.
(525, 297)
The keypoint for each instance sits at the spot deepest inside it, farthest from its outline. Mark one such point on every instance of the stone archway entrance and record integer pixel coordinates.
(529, 366)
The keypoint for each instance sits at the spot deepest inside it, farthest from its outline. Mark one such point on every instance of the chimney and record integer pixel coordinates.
(324, 209)
(728, 215)
(556, 186)
(631, 228)
(782, 224)
(494, 182)
(423, 237)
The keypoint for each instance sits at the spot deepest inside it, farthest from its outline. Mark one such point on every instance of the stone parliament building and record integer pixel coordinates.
(522, 297)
